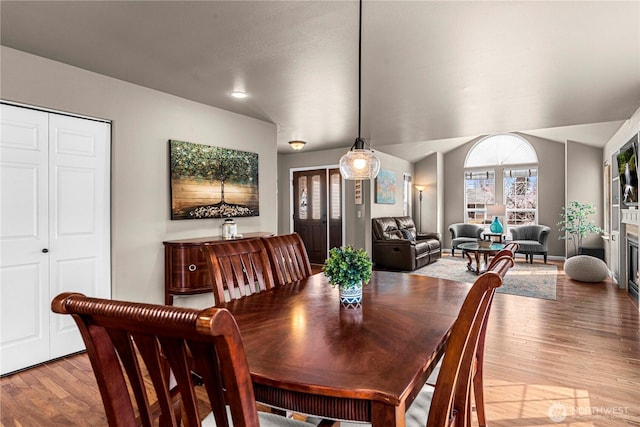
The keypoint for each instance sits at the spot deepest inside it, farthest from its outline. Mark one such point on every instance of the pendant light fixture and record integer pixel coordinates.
(359, 163)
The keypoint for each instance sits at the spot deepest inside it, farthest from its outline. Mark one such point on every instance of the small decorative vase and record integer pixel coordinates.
(495, 226)
(351, 297)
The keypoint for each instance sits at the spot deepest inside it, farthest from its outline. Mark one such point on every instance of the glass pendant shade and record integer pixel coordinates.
(359, 163)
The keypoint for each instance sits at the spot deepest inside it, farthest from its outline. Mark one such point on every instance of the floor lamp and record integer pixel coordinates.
(420, 188)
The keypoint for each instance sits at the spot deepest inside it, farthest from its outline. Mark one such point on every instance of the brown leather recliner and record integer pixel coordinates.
(397, 245)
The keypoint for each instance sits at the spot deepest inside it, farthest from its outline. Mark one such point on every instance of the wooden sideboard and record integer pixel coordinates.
(185, 267)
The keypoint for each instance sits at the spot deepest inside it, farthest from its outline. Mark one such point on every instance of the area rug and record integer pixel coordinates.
(527, 280)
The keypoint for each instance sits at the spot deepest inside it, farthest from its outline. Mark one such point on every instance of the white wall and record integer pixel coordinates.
(585, 185)
(143, 121)
(398, 167)
(428, 173)
(622, 136)
(551, 194)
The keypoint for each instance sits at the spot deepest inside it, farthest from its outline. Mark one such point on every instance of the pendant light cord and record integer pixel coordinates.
(359, 68)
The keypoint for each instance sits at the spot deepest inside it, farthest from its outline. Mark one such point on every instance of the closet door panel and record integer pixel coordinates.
(24, 238)
(54, 228)
(79, 218)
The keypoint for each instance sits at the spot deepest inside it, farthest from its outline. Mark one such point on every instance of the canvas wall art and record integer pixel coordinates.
(386, 187)
(212, 182)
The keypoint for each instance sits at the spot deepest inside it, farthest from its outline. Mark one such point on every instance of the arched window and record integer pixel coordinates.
(508, 161)
(499, 150)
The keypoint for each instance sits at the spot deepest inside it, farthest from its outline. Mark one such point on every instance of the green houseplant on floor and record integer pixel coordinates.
(348, 269)
(575, 223)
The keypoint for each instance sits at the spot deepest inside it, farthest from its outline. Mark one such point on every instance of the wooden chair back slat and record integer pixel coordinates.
(149, 349)
(288, 257)
(123, 339)
(452, 394)
(500, 265)
(127, 354)
(238, 268)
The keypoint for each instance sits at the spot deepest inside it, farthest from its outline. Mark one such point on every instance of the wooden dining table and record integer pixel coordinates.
(309, 355)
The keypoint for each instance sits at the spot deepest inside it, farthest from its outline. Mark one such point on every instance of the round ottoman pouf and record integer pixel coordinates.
(585, 268)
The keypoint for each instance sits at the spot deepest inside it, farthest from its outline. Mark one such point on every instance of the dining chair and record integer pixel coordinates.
(288, 257)
(136, 344)
(241, 268)
(500, 264)
(448, 403)
(238, 268)
(508, 251)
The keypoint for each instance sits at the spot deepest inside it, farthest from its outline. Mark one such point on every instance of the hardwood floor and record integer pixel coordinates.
(578, 356)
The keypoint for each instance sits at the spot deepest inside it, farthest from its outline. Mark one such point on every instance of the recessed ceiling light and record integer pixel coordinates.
(239, 94)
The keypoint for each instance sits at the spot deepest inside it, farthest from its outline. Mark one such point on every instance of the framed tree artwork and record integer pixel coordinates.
(212, 182)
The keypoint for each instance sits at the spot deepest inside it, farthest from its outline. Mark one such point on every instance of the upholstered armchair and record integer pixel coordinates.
(532, 240)
(397, 246)
(463, 233)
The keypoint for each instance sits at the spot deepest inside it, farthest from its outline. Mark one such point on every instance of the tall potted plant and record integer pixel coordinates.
(349, 269)
(575, 225)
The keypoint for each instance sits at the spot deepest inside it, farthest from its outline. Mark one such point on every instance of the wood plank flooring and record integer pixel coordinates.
(570, 362)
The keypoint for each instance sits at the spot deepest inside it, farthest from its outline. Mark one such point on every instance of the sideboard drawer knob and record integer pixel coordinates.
(192, 267)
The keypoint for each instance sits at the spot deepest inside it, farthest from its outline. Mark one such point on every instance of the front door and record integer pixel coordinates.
(310, 212)
(317, 211)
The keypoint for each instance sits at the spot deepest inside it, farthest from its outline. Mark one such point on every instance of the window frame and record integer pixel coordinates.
(508, 224)
(494, 147)
(476, 211)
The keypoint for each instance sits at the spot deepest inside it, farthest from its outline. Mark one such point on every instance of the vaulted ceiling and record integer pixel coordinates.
(435, 74)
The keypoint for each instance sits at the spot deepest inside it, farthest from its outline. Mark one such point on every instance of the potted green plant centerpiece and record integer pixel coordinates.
(574, 222)
(349, 269)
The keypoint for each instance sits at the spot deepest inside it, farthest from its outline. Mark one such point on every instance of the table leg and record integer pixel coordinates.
(486, 262)
(470, 263)
(385, 415)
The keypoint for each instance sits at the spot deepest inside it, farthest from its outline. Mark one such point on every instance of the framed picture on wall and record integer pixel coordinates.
(386, 187)
(212, 182)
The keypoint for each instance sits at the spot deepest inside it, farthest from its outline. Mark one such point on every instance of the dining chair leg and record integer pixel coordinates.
(478, 383)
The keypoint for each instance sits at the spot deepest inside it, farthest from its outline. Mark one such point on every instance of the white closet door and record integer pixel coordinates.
(24, 234)
(79, 218)
(54, 229)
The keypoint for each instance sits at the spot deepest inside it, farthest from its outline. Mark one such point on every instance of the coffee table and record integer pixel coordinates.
(481, 255)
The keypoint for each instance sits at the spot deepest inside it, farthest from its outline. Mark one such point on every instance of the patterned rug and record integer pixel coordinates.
(527, 280)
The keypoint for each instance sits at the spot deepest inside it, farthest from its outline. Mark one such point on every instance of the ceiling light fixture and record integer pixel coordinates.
(239, 94)
(297, 145)
(359, 163)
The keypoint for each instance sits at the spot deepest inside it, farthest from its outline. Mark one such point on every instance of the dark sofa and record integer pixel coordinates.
(397, 245)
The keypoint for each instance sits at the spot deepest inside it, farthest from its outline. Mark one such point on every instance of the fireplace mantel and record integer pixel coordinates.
(630, 216)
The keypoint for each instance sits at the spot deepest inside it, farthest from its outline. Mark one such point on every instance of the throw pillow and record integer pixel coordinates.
(407, 234)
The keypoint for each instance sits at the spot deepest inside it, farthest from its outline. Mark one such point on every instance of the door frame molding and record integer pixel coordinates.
(342, 196)
(61, 113)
